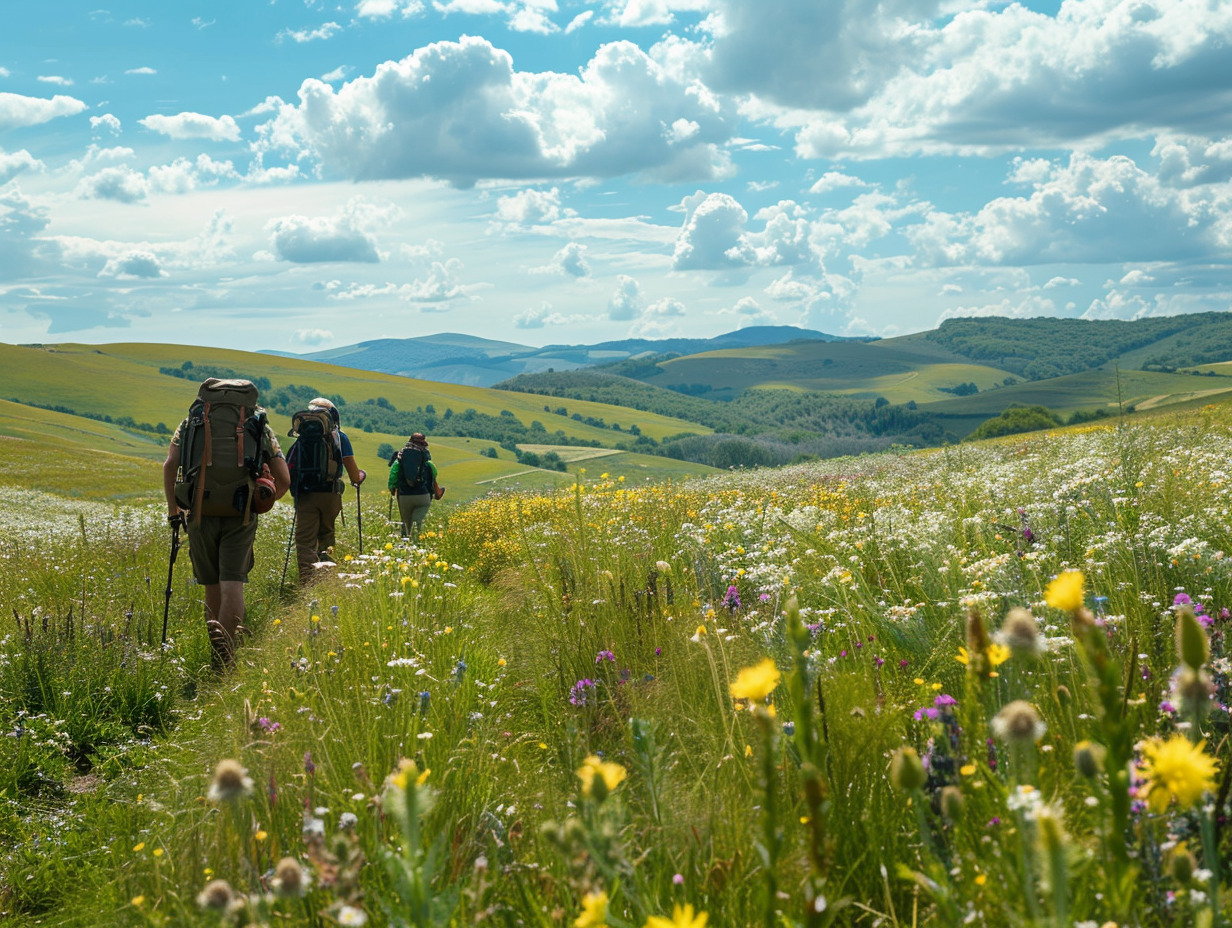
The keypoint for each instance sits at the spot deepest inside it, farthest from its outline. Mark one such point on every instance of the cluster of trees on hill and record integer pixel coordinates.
(1018, 419)
(1038, 349)
(199, 372)
(380, 415)
(758, 427)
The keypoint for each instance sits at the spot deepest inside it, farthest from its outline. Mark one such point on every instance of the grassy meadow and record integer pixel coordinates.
(807, 696)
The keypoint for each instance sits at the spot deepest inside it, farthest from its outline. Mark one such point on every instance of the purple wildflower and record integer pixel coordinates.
(309, 767)
(945, 699)
(605, 656)
(578, 695)
(732, 600)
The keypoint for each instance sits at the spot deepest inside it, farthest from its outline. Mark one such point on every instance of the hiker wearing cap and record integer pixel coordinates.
(412, 476)
(320, 455)
(223, 469)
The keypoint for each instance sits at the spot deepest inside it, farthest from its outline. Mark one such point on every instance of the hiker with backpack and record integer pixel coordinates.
(321, 454)
(223, 469)
(412, 477)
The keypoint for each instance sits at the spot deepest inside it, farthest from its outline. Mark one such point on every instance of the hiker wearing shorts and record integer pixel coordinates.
(317, 507)
(221, 546)
(412, 476)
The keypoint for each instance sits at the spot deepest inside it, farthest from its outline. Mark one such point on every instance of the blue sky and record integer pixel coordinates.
(300, 174)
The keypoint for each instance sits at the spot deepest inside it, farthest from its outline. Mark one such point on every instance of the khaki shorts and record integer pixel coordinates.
(221, 548)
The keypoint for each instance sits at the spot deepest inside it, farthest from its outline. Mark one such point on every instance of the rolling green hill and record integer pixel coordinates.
(123, 383)
(920, 389)
(913, 369)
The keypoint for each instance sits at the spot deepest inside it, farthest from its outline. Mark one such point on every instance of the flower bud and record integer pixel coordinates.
(1051, 829)
(1182, 864)
(1191, 645)
(977, 634)
(1089, 759)
(953, 803)
(907, 770)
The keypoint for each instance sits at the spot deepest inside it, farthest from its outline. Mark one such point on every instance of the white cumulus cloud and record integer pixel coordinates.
(322, 32)
(383, 9)
(194, 126)
(135, 264)
(310, 240)
(569, 261)
(1088, 210)
(529, 207)
(106, 122)
(17, 162)
(459, 111)
(626, 301)
(120, 183)
(17, 110)
(311, 337)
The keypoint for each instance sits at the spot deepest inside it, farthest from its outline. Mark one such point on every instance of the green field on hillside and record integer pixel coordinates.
(912, 370)
(123, 380)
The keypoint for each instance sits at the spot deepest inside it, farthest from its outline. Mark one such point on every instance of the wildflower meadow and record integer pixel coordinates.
(983, 685)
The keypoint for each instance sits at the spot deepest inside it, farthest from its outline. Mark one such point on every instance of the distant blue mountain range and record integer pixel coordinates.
(482, 362)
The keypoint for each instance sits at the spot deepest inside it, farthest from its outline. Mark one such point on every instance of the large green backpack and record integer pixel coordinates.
(221, 450)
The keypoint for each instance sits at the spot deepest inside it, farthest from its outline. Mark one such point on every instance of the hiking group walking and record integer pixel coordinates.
(224, 468)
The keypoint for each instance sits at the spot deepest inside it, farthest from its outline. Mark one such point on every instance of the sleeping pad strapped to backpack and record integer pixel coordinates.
(221, 450)
(316, 457)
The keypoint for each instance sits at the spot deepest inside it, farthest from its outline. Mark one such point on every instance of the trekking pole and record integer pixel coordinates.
(359, 518)
(176, 522)
(287, 560)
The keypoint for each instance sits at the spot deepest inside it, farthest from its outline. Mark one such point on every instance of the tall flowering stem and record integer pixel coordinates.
(754, 685)
(1112, 691)
(812, 751)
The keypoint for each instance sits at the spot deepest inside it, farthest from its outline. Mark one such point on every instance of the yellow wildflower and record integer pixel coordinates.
(681, 918)
(756, 682)
(594, 911)
(1176, 769)
(609, 774)
(1065, 592)
(998, 654)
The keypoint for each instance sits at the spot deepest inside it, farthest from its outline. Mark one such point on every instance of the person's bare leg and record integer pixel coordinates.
(224, 613)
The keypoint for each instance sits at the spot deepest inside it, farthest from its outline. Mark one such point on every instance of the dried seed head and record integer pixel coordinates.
(290, 880)
(1018, 723)
(217, 895)
(231, 781)
(1020, 633)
